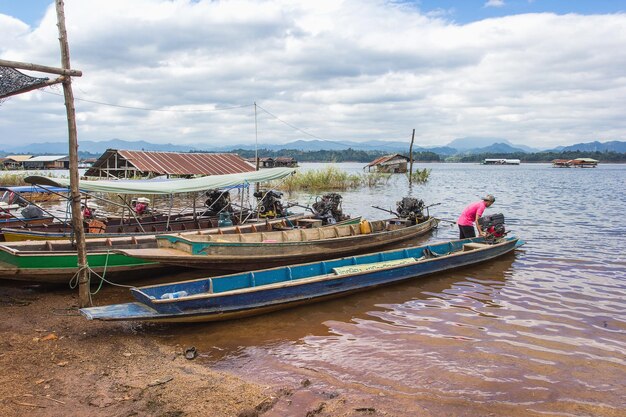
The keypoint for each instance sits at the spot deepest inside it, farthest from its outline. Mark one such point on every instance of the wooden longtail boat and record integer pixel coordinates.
(109, 229)
(56, 261)
(269, 249)
(22, 221)
(245, 294)
(12, 202)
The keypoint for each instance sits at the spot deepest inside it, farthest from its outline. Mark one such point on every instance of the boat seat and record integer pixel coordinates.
(473, 246)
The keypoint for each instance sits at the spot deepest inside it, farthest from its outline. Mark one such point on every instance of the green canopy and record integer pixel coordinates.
(167, 186)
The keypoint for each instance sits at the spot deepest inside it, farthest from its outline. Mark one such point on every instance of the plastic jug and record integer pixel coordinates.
(171, 295)
(365, 227)
(224, 220)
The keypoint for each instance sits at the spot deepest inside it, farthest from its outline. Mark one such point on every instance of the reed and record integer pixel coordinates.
(375, 179)
(420, 176)
(17, 178)
(329, 178)
(8, 180)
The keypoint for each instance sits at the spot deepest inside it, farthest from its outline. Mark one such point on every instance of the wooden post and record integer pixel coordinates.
(256, 147)
(77, 217)
(411, 159)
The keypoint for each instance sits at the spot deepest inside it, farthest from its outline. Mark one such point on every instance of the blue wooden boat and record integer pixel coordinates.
(256, 292)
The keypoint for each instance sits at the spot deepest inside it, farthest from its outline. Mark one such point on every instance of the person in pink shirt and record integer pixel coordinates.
(471, 214)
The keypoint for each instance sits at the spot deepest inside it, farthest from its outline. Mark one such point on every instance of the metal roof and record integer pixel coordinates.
(176, 163)
(47, 158)
(19, 158)
(385, 158)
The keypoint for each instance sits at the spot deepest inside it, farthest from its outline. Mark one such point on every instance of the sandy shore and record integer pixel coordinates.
(56, 363)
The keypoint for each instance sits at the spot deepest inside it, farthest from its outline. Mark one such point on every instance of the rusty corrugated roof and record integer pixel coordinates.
(174, 163)
(384, 159)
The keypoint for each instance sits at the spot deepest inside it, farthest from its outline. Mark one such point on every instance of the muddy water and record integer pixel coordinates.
(538, 332)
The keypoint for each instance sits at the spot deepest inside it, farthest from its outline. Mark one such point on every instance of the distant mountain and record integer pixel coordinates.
(496, 148)
(457, 146)
(60, 148)
(473, 143)
(323, 145)
(612, 146)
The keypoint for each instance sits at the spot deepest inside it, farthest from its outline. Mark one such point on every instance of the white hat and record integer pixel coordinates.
(143, 200)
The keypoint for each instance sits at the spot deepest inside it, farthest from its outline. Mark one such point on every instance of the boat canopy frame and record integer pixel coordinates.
(168, 187)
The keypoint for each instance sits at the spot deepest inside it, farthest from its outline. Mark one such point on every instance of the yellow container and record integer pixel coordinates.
(365, 226)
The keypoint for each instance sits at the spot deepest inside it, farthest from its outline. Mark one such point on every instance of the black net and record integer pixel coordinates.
(12, 82)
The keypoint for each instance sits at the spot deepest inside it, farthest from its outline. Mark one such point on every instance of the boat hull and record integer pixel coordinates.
(55, 261)
(209, 306)
(60, 268)
(224, 256)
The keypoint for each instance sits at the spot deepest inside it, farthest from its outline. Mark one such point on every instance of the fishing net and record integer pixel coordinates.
(14, 82)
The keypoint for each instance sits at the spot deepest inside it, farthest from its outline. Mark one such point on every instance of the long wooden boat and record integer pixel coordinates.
(11, 221)
(245, 294)
(269, 249)
(110, 228)
(55, 261)
(12, 202)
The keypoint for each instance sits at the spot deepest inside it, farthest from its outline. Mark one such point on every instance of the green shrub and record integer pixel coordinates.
(420, 176)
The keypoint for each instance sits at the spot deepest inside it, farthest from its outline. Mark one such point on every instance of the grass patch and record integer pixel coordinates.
(16, 179)
(330, 178)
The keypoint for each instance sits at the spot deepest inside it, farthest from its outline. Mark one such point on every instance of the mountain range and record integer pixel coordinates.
(460, 146)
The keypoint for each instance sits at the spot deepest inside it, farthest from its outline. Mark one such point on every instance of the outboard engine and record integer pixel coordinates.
(32, 212)
(270, 204)
(328, 208)
(217, 202)
(411, 209)
(493, 226)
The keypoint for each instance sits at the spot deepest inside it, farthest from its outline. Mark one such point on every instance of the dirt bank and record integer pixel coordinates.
(56, 363)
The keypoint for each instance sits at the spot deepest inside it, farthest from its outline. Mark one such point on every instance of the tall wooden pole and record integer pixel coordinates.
(77, 216)
(256, 146)
(411, 159)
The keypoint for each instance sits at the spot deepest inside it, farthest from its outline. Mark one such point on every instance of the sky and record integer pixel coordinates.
(540, 73)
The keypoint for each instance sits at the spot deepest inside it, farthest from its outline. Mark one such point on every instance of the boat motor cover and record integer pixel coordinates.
(32, 212)
(491, 220)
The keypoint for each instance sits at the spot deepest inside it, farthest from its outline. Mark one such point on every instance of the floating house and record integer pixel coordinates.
(48, 162)
(116, 163)
(15, 161)
(391, 164)
(575, 163)
(584, 163)
(561, 163)
(501, 161)
(285, 162)
(279, 162)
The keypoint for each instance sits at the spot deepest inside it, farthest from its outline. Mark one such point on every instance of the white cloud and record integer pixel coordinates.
(357, 70)
(494, 3)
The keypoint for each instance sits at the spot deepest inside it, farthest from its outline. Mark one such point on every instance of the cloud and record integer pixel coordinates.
(494, 3)
(357, 70)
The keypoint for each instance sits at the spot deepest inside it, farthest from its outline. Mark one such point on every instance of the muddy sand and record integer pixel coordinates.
(56, 363)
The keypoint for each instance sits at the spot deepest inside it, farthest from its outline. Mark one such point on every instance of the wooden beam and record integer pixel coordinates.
(40, 68)
(33, 87)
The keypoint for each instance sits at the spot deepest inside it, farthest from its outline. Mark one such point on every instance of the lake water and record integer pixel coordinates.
(538, 332)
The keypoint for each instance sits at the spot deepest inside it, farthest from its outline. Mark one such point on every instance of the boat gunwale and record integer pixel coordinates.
(13, 247)
(316, 278)
(359, 236)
